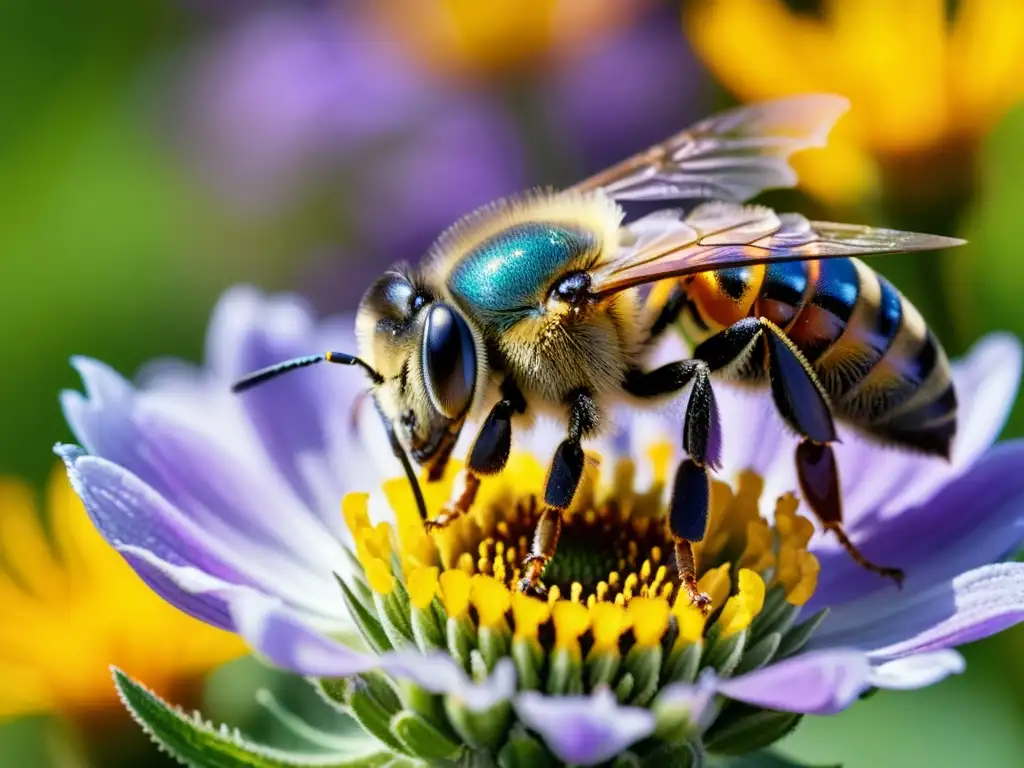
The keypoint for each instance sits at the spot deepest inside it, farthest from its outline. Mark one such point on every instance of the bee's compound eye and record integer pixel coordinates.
(449, 361)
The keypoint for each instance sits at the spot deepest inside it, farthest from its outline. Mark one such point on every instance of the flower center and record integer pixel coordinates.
(612, 582)
(603, 554)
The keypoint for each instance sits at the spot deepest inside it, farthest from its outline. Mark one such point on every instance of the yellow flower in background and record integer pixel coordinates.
(470, 38)
(924, 86)
(70, 607)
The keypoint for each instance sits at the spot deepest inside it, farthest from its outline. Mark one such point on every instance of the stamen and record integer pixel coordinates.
(650, 620)
(455, 592)
(379, 576)
(491, 599)
(608, 622)
(422, 586)
(528, 614)
(571, 620)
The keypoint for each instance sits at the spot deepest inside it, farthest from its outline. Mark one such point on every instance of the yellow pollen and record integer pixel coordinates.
(601, 590)
(645, 571)
(571, 620)
(608, 622)
(455, 592)
(716, 583)
(650, 620)
(374, 543)
(742, 607)
(757, 554)
(465, 564)
(554, 595)
(422, 586)
(575, 592)
(354, 508)
(655, 555)
(793, 529)
(491, 599)
(379, 575)
(798, 573)
(689, 618)
(528, 614)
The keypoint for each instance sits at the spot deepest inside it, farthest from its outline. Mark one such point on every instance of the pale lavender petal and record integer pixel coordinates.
(969, 607)
(978, 518)
(284, 639)
(816, 683)
(918, 671)
(692, 700)
(186, 588)
(584, 730)
(130, 513)
(439, 673)
(229, 494)
(292, 642)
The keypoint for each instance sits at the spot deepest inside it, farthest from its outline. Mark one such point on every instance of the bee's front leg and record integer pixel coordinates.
(563, 480)
(488, 457)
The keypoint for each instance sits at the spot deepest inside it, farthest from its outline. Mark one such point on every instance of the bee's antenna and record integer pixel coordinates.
(272, 372)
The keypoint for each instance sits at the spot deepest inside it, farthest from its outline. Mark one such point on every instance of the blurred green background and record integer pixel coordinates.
(152, 154)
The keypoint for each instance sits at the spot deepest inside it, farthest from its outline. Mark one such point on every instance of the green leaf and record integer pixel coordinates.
(196, 743)
(762, 760)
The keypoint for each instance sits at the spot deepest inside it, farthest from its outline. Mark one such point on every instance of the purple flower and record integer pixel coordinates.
(228, 506)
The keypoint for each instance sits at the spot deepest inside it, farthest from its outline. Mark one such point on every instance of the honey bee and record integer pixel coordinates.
(549, 302)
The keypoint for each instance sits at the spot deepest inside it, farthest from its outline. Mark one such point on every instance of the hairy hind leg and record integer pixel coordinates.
(802, 403)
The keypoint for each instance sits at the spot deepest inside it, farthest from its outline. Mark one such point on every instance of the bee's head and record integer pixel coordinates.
(431, 360)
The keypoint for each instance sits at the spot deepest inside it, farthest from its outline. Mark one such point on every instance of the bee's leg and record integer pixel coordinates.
(488, 457)
(563, 480)
(803, 404)
(691, 490)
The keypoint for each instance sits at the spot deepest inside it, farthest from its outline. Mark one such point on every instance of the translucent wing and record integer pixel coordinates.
(718, 235)
(731, 156)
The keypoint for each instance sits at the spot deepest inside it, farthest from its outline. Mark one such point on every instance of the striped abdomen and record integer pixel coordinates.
(883, 369)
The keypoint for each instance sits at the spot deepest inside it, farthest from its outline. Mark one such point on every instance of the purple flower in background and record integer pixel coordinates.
(288, 106)
(229, 508)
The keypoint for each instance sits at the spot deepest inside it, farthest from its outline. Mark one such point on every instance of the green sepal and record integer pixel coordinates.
(421, 739)
(480, 730)
(524, 751)
(427, 705)
(371, 701)
(759, 655)
(689, 754)
(673, 722)
(742, 729)
(493, 644)
(461, 637)
(627, 760)
(528, 656)
(601, 667)
(624, 688)
(724, 653)
(395, 623)
(565, 672)
(777, 615)
(683, 664)
(426, 630)
(796, 638)
(366, 622)
(645, 666)
(195, 743)
(765, 760)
